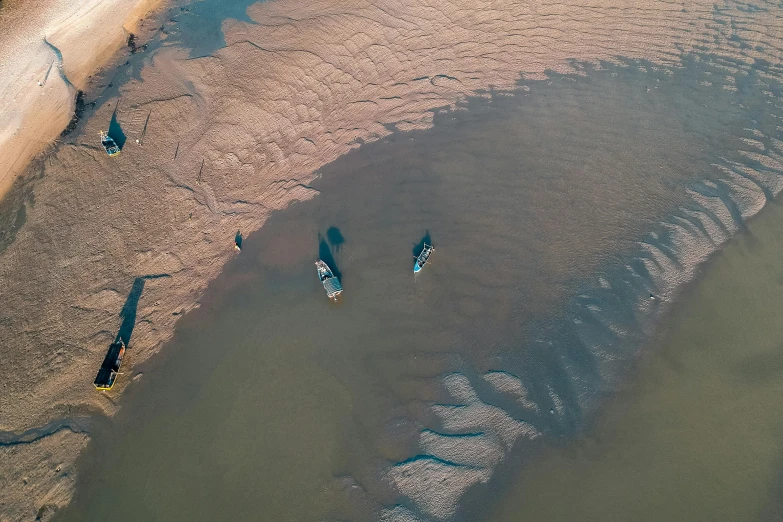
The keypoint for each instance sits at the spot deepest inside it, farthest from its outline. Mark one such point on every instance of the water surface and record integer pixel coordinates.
(697, 434)
(548, 211)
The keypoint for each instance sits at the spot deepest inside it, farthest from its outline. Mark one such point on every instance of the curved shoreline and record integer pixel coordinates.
(77, 41)
(288, 94)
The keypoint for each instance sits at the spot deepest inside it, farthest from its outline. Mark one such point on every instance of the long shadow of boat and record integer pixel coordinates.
(325, 254)
(110, 367)
(128, 312)
(115, 131)
(418, 248)
(335, 238)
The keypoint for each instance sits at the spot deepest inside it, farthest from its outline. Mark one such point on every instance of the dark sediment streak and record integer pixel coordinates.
(74, 425)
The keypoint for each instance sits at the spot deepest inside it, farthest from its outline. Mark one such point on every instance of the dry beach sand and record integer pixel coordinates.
(232, 137)
(59, 44)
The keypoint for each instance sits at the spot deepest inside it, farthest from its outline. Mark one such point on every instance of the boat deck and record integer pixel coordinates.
(111, 365)
(332, 286)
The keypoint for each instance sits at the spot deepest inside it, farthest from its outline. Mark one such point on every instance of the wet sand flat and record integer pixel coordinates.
(101, 246)
(414, 392)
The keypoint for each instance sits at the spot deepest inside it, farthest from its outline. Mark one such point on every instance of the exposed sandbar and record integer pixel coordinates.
(296, 89)
(60, 44)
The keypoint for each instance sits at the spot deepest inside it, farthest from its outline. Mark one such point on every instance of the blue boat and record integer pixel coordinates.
(331, 283)
(423, 258)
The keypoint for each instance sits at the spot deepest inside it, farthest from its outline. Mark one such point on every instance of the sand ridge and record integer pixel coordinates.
(236, 135)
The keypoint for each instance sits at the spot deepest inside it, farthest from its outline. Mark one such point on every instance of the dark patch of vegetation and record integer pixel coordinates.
(77, 113)
(132, 44)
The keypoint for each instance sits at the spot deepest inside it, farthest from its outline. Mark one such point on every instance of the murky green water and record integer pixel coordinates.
(273, 404)
(697, 433)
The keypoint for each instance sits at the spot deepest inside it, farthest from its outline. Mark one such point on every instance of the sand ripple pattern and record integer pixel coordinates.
(584, 349)
(291, 92)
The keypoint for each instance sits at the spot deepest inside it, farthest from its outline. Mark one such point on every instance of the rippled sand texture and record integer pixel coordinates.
(695, 435)
(446, 371)
(551, 381)
(236, 135)
(48, 51)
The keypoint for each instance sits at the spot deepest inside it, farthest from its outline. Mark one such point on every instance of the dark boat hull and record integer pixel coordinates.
(111, 366)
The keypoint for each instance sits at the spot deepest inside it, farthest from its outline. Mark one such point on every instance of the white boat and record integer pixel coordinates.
(423, 258)
(109, 144)
(331, 283)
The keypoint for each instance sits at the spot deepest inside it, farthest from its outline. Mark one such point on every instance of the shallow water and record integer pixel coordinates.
(198, 26)
(272, 402)
(697, 432)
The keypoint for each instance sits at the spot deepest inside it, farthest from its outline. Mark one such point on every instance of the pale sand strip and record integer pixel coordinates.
(286, 96)
(86, 34)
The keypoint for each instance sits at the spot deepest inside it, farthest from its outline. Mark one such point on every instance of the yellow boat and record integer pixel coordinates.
(111, 366)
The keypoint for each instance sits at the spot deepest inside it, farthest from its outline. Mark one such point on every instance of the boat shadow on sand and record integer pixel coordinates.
(115, 131)
(128, 312)
(325, 250)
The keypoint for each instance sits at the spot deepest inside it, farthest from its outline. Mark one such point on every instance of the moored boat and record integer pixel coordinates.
(329, 280)
(111, 366)
(109, 145)
(423, 258)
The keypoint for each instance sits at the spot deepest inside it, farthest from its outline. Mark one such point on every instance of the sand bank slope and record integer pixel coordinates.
(126, 245)
(38, 477)
(58, 43)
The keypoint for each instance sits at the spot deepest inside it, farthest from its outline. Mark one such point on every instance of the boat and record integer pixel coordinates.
(109, 144)
(111, 366)
(331, 283)
(423, 258)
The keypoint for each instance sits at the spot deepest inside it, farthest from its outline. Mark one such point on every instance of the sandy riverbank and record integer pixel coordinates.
(142, 234)
(59, 44)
